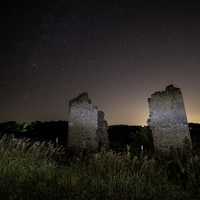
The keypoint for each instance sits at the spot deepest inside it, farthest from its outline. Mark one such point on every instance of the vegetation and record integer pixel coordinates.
(119, 135)
(52, 131)
(35, 171)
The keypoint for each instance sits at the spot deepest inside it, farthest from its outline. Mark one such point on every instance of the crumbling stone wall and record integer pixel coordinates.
(86, 124)
(167, 119)
(102, 131)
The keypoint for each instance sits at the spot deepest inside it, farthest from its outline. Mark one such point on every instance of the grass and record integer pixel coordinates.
(35, 171)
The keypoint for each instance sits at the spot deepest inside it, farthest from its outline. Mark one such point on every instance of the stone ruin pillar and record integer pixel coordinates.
(87, 129)
(102, 131)
(167, 119)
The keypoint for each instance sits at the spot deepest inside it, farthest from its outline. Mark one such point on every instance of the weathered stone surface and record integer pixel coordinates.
(102, 131)
(86, 124)
(167, 119)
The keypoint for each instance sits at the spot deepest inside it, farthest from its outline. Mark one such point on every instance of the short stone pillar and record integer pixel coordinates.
(85, 124)
(167, 119)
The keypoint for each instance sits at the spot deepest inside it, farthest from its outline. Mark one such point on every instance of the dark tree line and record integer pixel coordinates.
(53, 131)
(121, 137)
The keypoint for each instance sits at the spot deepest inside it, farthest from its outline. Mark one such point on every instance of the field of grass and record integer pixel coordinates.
(36, 171)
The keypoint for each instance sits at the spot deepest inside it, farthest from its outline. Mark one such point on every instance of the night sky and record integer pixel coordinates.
(118, 52)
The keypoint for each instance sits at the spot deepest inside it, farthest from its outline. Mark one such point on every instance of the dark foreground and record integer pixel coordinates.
(41, 171)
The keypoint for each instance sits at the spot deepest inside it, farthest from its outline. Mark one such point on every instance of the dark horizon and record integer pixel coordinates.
(118, 52)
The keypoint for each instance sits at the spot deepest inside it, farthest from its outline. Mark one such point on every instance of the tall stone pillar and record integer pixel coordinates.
(167, 119)
(85, 124)
(102, 131)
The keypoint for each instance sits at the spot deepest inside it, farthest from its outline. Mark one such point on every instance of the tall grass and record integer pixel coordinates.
(33, 171)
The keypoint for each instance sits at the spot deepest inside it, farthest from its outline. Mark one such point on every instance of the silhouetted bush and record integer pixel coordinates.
(138, 138)
(54, 132)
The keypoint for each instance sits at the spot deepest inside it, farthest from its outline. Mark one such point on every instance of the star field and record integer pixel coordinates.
(118, 52)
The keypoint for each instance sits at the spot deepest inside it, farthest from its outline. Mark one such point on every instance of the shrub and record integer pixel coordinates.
(33, 171)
